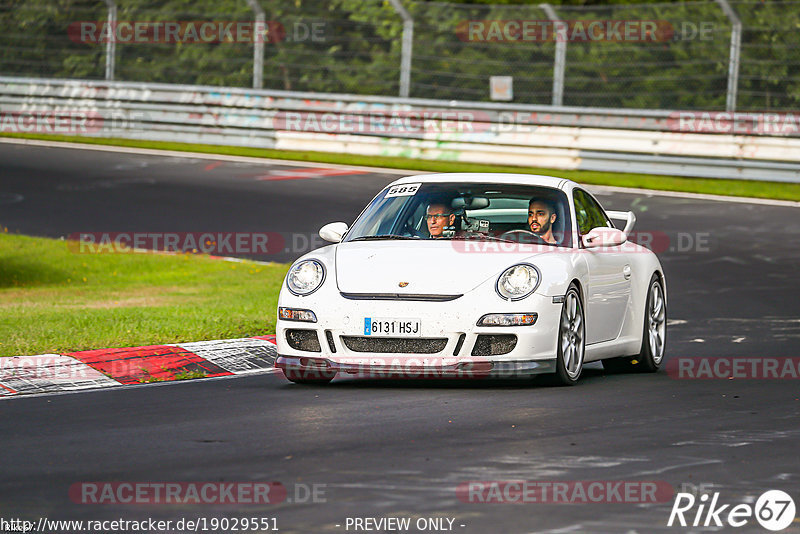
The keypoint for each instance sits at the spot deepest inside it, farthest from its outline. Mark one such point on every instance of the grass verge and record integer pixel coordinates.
(55, 300)
(743, 188)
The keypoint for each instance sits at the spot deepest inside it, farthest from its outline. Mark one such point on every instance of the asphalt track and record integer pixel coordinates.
(397, 448)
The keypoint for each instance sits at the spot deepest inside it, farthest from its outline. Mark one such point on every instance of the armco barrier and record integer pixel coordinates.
(641, 141)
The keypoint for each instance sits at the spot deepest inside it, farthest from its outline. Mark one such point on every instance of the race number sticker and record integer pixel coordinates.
(404, 190)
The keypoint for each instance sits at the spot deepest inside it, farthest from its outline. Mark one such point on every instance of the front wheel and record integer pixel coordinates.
(654, 335)
(571, 339)
(655, 327)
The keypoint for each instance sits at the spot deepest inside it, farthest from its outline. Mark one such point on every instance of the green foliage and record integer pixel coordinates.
(34, 39)
(357, 48)
(770, 70)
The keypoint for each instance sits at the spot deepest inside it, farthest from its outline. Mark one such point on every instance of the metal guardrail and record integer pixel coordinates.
(640, 141)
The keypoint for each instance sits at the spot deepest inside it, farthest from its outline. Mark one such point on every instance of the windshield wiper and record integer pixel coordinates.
(477, 236)
(489, 237)
(383, 236)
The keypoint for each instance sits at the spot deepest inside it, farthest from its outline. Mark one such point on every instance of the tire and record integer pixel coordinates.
(571, 339)
(308, 376)
(654, 335)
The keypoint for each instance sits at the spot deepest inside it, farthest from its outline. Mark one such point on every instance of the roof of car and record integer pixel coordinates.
(484, 177)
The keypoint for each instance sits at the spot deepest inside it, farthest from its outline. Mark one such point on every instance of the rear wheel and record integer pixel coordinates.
(308, 376)
(571, 339)
(654, 335)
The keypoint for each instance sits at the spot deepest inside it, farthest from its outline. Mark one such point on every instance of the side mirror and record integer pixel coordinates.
(333, 232)
(628, 216)
(604, 236)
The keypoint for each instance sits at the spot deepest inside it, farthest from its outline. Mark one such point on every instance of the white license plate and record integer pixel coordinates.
(392, 327)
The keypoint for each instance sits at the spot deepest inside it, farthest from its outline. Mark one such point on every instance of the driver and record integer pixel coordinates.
(541, 216)
(438, 216)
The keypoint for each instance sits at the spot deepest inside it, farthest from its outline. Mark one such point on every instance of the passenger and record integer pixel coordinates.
(439, 217)
(541, 216)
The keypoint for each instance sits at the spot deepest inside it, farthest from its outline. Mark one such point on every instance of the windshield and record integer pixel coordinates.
(509, 212)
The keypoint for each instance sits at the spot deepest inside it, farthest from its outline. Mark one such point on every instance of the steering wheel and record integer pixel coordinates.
(412, 232)
(516, 235)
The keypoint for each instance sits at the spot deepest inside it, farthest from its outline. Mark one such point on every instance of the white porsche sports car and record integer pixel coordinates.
(473, 275)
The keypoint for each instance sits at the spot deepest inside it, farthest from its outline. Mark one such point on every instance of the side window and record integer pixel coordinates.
(588, 212)
(416, 219)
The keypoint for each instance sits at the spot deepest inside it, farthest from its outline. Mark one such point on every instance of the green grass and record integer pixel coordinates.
(56, 300)
(743, 188)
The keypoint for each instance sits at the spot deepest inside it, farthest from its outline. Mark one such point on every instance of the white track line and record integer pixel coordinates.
(381, 170)
(698, 196)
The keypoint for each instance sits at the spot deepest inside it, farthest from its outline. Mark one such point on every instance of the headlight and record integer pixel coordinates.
(518, 281)
(305, 277)
(508, 319)
(291, 314)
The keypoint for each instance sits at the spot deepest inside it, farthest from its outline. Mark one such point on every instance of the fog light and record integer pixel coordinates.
(508, 319)
(290, 314)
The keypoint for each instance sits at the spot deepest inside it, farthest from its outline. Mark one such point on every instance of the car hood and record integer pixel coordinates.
(429, 267)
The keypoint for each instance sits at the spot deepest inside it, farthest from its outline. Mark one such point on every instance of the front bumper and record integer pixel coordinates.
(450, 342)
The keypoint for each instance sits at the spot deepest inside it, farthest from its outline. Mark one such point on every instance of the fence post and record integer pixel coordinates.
(733, 62)
(560, 61)
(259, 34)
(408, 45)
(111, 44)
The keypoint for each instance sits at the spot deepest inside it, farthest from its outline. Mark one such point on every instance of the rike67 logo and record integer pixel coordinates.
(774, 510)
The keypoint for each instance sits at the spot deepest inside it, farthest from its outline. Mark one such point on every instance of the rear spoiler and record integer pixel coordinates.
(627, 215)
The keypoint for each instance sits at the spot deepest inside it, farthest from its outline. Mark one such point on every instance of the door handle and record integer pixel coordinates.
(626, 272)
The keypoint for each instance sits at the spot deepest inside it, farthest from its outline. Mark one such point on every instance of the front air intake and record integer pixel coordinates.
(494, 344)
(305, 340)
(398, 345)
